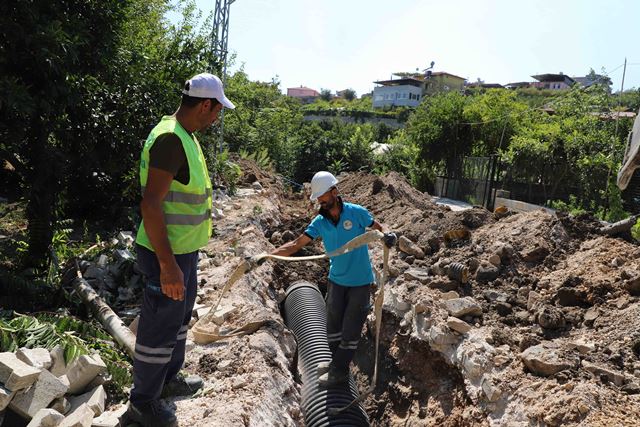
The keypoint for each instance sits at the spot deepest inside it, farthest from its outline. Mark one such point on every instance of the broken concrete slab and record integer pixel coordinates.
(37, 357)
(28, 402)
(15, 374)
(58, 364)
(95, 399)
(222, 314)
(46, 417)
(419, 274)
(81, 417)
(61, 405)
(110, 418)
(459, 307)
(600, 371)
(83, 370)
(408, 247)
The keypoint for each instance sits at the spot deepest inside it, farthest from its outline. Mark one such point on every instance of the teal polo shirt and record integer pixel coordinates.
(352, 268)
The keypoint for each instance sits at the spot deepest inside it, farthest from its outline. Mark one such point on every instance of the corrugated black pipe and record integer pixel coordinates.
(305, 315)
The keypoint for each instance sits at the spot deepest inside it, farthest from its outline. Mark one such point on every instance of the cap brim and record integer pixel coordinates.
(225, 101)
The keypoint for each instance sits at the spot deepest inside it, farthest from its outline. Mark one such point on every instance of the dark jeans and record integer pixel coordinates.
(162, 328)
(347, 309)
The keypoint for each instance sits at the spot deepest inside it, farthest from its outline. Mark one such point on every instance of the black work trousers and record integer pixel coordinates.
(162, 328)
(347, 309)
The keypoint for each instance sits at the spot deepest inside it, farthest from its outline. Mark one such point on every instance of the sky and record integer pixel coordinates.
(339, 44)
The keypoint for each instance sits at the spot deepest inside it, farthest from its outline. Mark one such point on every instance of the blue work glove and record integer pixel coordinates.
(390, 240)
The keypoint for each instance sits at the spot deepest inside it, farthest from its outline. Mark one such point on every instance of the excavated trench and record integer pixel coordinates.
(415, 385)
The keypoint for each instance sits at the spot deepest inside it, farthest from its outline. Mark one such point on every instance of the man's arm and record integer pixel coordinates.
(377, 226)
(293, 246)
(390, 239)
(171, 278)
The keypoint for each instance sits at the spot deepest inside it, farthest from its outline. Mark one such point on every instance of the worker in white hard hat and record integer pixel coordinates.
(350, 274)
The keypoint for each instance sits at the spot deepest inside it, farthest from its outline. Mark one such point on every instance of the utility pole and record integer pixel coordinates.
(219, 41)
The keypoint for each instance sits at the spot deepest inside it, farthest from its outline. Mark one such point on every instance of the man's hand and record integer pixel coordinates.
(172, 281)
(390, 240)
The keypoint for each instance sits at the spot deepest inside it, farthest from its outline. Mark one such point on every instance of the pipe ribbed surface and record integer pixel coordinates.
(305, 315)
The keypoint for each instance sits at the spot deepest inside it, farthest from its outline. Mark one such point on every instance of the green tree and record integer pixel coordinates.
(349, 94)
(325, 95)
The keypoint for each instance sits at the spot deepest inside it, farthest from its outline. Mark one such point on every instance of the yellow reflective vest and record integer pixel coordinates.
(187, 208)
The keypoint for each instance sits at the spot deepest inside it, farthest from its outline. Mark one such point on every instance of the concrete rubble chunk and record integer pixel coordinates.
(459, 307)
(46, 417)
(28, 402)
(83, 370)
(123, 255)
(487, 273)
(5, 397)
(221, 314)
(490, 390)
(441, 337)
(408, 247)
(544, 361)
(81, 417)
(15, 374)
(36, 357)
(61, 405)
(534, 300)
(126, 238)
(95, 399)
(458, 325)
(110, 418)
(419, 274)
(615, 377)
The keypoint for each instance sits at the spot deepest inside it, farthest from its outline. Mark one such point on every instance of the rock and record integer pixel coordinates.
(28, 402)
(631, 388)
(61, 405)
(276, 238)
(37, 357)
(419, 274)
(600, 371)
(591, 315)
(495, 260)
(449, 295)
(264, 343)
(102, 262)
(110, 418)
(551, 318)
(504, 250)
(459, 307)
(94, 272)
(256, 185)
(440, 337)
(15, 374)
(487, 273)
(503, 308)
(288, 236)
(544, 361)
(94, 399)
(617, 262)
(410, 248)
(123, 255)
(633, 286)
(494, 296)
(583, 346)
(443, 284)
(46, 417)
(221, 314)
(534, 300)
(571, 297)
(81, 417)
(83, 370)
(458, 325)
(490, 390)
(126, 238)
(536, 254)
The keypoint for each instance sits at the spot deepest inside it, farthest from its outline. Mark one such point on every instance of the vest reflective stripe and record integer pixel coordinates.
(188, 198)
(184, 219)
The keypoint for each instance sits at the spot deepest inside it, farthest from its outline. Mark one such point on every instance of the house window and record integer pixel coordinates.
(417, 96)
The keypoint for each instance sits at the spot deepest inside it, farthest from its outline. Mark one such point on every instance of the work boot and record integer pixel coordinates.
(333, 377)
(182, 385)
(323, 368)
(151, 414)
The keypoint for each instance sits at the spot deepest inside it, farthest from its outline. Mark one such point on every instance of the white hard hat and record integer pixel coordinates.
(321, 183)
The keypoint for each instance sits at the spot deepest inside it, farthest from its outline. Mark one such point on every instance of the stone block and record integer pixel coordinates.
(83, 370)
(95, 399)
(58, 364)
(110, 418)
(28, 402)
(61, 405)
(81, 417)
(222, 314)
(15, 374)
(459, 307)
(36, 357)
(5, 397)
(46, 417)
(458, 325)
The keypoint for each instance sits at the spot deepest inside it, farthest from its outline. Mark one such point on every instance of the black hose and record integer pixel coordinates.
(305, 315)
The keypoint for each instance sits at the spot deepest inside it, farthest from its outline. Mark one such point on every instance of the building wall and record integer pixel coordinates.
(405, 95)
(444, 83)
(298, 92)
(550, 85)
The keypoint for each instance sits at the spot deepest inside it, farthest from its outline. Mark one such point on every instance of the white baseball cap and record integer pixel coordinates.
(207, 86)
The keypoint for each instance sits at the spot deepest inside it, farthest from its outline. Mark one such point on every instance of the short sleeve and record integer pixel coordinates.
(167, 153)
(313, 230)
(363, 215)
